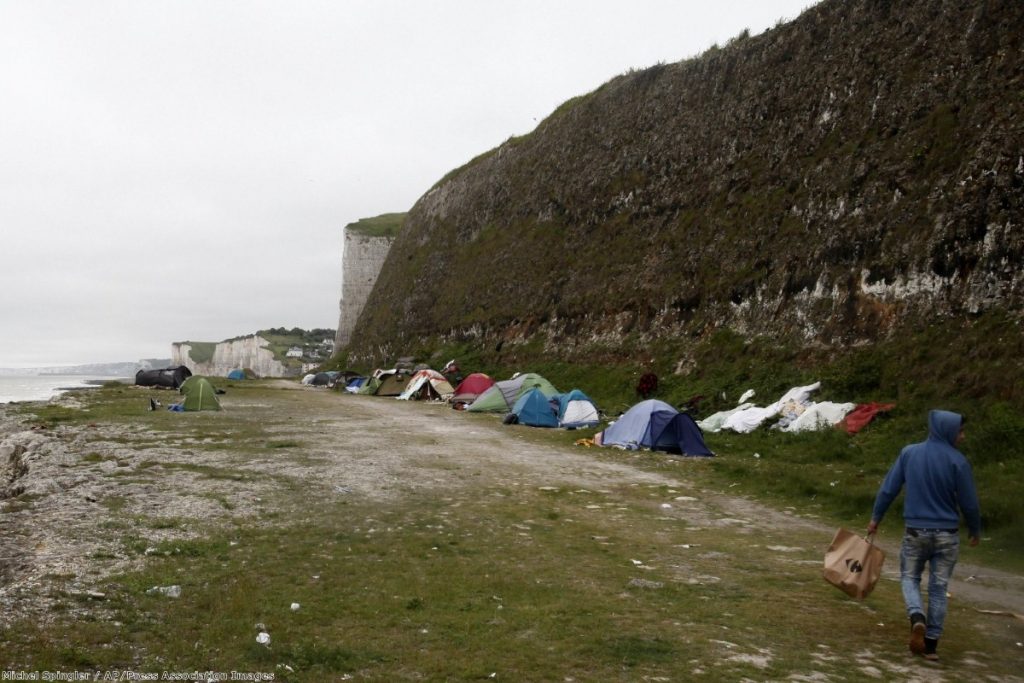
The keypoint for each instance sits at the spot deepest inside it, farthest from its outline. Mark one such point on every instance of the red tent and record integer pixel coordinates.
(471, 387)
(860, 416)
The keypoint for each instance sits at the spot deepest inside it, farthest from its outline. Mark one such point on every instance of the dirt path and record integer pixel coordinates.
(83, 490)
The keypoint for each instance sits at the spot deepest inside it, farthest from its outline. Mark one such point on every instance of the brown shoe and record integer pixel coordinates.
(917, 629)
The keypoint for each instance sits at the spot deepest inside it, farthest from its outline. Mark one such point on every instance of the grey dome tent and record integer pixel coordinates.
(166, 378)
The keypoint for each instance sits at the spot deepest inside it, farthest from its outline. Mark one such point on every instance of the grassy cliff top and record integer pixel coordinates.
(385, 225)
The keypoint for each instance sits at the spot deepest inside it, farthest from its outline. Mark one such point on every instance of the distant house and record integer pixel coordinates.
(294, 352)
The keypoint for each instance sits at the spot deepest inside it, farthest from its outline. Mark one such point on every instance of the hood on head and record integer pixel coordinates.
(944, 425)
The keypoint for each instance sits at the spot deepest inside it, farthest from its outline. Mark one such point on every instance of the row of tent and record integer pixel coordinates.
(530, 399)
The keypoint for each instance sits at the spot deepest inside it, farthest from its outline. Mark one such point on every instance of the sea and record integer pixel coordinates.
(44, 387)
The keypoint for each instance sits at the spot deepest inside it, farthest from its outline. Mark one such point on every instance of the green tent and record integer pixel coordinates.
(503, 395)
(370, 388)
(199, 394)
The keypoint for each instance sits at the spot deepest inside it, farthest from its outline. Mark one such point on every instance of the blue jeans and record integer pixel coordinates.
(939, 550)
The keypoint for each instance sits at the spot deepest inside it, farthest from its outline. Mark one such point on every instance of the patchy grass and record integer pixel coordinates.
(539, 585)
(630, 582)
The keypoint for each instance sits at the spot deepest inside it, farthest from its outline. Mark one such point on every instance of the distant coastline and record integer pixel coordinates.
(118, 369)
(44, 387)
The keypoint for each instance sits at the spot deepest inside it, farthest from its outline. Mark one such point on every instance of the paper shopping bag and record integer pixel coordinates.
(853, 564)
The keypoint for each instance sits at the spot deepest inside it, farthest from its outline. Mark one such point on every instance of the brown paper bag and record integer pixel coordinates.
(853, 564)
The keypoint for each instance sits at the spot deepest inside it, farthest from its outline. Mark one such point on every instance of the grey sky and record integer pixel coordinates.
(181, 170)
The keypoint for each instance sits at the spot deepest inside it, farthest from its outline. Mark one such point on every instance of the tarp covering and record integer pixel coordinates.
(860, 416)
(199, 394)
(714, 422)
(534, 409)
(169, 378)
(819, 416)
(576, 410)
(745, 421)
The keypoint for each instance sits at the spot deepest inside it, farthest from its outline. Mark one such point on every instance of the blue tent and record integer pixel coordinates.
(534, 409)
(678, 434)
(355, 384)
(656, 425)
(236, 374)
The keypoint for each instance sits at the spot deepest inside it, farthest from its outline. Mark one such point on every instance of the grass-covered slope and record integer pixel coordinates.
(385, 225)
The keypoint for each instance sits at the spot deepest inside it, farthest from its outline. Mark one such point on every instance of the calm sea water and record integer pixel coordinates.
(41, 387)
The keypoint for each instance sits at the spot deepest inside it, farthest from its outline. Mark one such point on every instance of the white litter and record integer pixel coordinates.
(295, 607)
(169, 591)
(263, 638)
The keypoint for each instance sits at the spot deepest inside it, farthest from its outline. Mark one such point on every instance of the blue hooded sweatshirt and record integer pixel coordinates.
(938, 480)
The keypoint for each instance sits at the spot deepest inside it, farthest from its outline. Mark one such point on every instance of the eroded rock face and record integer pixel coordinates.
(829, 181)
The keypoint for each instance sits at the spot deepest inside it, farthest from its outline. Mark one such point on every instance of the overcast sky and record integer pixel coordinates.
(181, 170)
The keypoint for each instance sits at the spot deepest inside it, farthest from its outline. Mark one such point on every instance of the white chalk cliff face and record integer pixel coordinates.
(362, 258)
(248, 352)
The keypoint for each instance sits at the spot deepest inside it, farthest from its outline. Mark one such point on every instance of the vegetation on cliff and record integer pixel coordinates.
(830, 181)
(385, 225)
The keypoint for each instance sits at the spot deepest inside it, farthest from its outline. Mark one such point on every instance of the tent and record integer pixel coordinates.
(236, 374)
(471, 387)
(355, 384)
(679, 435)
(427, 385)
(503, 395)
(534, 409)
(369, 387)
(167, 378)
(321, 379)
(576, 410)
(199, 394)
(656, 425)
(386, 383)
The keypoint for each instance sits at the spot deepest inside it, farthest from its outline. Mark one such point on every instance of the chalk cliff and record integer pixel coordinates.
(251, 352)
(365, 246)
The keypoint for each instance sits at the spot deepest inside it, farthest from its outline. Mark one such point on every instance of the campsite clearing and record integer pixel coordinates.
(424, 543)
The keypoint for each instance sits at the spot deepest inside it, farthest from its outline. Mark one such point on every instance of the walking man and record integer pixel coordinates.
(939, 487)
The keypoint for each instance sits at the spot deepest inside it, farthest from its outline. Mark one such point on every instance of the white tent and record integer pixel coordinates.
(426, 384)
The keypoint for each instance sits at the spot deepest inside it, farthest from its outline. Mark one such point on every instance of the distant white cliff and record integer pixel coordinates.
(251, 352)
